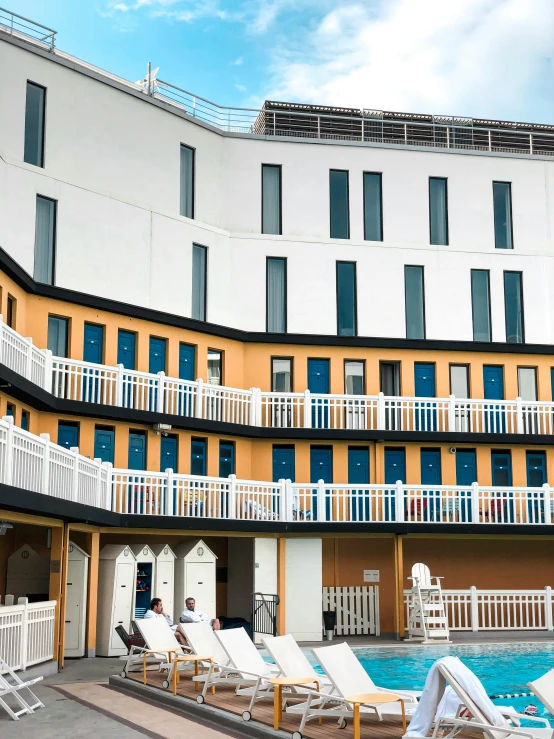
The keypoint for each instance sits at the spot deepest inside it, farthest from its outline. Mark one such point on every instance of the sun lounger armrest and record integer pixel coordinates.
(251, 674)
(135, 650)
(475, 724)
(524, 716)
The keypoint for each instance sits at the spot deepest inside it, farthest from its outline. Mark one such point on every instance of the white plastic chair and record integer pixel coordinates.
(13, 687)
(543, 688)
(421, 575)
(160, 643)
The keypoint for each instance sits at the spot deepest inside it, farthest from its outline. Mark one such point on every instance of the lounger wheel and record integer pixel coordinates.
(200, 699)
(123, 673)
(246, 715)
(297, 735)
(343, 723)
(165, 684)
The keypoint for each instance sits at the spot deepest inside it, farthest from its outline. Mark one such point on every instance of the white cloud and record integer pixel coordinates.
(237, 62)
(241, 88)
(466, 57)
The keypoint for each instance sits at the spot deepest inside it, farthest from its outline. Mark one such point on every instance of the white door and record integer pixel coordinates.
(164, 587)
(200, 585)
(74, 608)
(303, 589)
(123, 600)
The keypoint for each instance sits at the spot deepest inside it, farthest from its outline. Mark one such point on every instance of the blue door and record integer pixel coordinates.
(104, 443)
(226, 458)
(93, 351)
(68, 434)
(552, 382)
(198, 455)
(318, 382)
(137, 450)
(168, 453)
(466, 475)
(536, 478)
(501, 505)
(321, 468)
(283, 463)
(187, 362)
(493, 384)
(358, 474)
(126, 349)
(156, 363)
(395, 469)
(428, 508)
(425, 387)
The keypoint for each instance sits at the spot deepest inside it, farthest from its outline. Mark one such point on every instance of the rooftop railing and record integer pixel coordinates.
(18, 24)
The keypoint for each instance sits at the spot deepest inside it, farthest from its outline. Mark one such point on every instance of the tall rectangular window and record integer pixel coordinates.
(373, 207)
(215, 367)
(415, 302)
(459, 380)
(226, 458)
(11, 312)
(45, 240)
(35, 106)
(187, 181)
(58, 335)
(502, 202)
(513, 307)
(438, 211)
(481, 305)
(354, 380)
(276, 295)
(527, 383)
(346, 299)
(199, 281)
(271, 198)
(281, 375)
(338, 204)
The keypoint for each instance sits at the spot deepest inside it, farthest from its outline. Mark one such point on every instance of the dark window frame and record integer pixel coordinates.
(43, 138)
(11, 311)
(286, 295)
(445, 180)
(291, 360)
(280, 168)
(488, 273)
(520, 273)
(341, 238)
(221, 353)
(67, 320)
(205, 248)
(54, 237)
(359, 361)
(467, 365)
(504, 182)
(380, 176)
(422, 268)
(339, 261)
(193, 178)
(397, 363)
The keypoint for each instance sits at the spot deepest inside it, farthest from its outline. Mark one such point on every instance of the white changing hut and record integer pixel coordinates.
(116, 586)
(145, 585)
(76, 601)
(195, 577)
(164, 577)
(28, 574)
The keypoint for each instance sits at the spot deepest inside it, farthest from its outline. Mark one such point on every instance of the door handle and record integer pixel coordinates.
(68, 622)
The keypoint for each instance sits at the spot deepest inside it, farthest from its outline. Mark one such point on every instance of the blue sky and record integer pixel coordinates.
(480, 58)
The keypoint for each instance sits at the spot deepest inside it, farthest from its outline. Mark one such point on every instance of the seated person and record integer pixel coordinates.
(156, 610)
(191, 616)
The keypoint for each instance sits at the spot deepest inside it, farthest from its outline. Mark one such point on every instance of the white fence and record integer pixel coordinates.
(115, 386)
(357, 609)
(27, 633)
(496, 610)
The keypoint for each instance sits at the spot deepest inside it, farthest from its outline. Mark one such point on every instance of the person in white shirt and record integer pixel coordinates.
(156, 610)
(191, 616)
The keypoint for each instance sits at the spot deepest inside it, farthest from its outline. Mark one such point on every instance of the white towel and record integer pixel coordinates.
(433, 692)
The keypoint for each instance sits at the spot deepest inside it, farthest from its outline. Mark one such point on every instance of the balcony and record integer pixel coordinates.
(73, 380)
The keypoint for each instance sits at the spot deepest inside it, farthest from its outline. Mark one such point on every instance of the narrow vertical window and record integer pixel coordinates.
(11, 311)
(215, 367)
(354, 380)
(438, 211)
(34, 125)
(513, 307)
(276, 293)
(199, 281)
(502, 200)
(271, 199)
(415, 302)
(373, 207)
(58, 336)
(187, 181)
(281, 375)
(45, 240)
(346, 299)
(459, 380)
(481, 305)
(338, 204)
(527, 383)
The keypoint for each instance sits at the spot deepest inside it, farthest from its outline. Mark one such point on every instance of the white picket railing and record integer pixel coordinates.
(87, 382)
(496, 610)
(27, 633)
(357, 609)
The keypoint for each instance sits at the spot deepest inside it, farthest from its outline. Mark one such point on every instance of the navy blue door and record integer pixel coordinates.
(68, 434)
(168, 453)
(126, 349)
(104, 442)
(318, 382)
(321, 468)
(536, 478)
(137, 451)
(283, 463)
(428, 508)
(358, 474)
(226, 458)
(187, 357)
(93, 351)
(552, 382)
(156, 363)
(466, 475)
(198, 454)
(501, 505)
(395, 469)
(425, 387)
(493, 384)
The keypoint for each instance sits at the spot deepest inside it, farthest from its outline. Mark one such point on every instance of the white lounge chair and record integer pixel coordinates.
(11, 685)
(348, 677)
(251, 667)
(543, 688)
(497, 726)
(202, 640)
(161, 646)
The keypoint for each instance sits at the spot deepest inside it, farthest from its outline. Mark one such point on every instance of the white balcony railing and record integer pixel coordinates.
(86, 382)
(496, 610)
(27, 633)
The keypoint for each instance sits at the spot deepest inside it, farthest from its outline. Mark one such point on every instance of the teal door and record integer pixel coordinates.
(493, 384)
(283, 463)
(321, 468)
(429, 507)
(466, 475)
(318, 382)
(226, 458)
(68, 434)
(168, 453)
(501, 506)
(187, 363)
(358, 474)
(156, 363)
(395, 469)
(425, 387)
(126, 349)
(104, 443)
(198, 457)
(93, 351)
(137, 450)
(536, 478)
